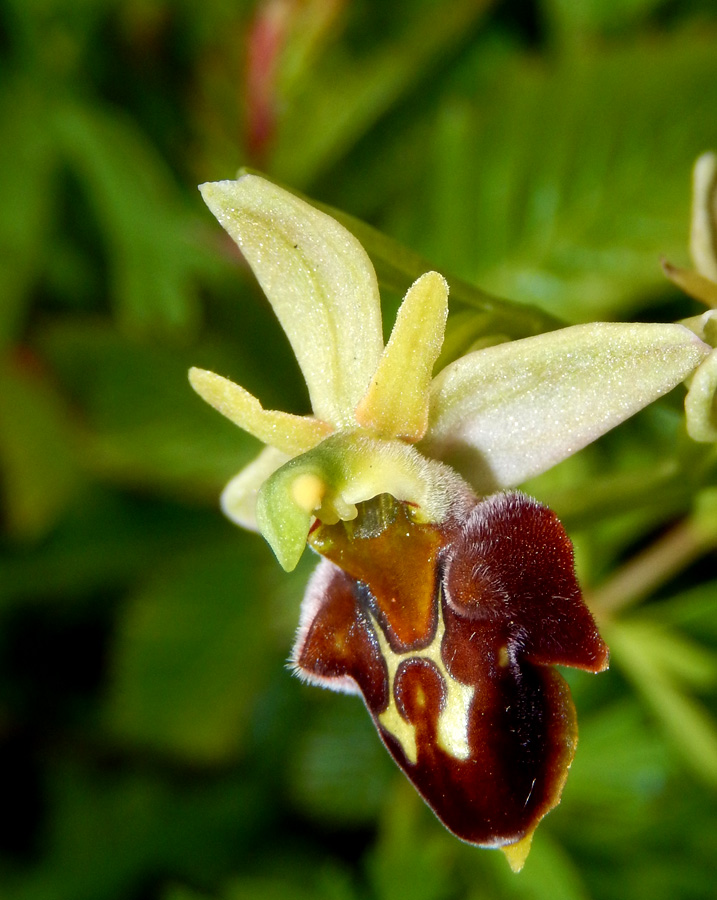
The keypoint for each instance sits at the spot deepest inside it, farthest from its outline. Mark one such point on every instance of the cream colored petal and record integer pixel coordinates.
(396, 403)
(506, 413)
(703, 232)
(288, 433)
(700, 406)
(238, 500)
(318, 279)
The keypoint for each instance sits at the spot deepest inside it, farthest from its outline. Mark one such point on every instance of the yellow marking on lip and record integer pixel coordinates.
(452, 734)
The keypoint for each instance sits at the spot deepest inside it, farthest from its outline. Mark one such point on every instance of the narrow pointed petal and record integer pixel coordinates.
(700, 405)
(290, 434)
(506, 413)
(238, 499)
(318, 279)
(396, 403)
(703, 232)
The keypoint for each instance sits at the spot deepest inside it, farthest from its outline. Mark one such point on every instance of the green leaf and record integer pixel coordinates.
(558, 207)
(692, 610)
(141, 422)
(576, 21)
(645, 662)
(345, 95)
(39, 464)
(26, 161)
(620, 769)
(102, 545)
(413, 856)
(151, 238)
(325, 882)
(687, 663)
(328, 882)
(110, 831)
(339, 772)
(192, 654)
(549, 874)
(181, 892)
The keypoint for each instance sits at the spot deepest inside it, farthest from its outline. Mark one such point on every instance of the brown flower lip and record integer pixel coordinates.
(449, 633)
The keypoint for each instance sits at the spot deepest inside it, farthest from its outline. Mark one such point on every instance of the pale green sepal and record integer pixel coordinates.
(288, 433)
(704, 326)
(703, 231)
(700, 407)
(396, 403)
(346, 469)
(507, 413)
(318, 279)
(238, 500)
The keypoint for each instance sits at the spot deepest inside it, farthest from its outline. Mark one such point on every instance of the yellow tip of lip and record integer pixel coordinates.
(517, 853)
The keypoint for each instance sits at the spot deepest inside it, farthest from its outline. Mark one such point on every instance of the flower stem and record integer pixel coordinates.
(673, 552)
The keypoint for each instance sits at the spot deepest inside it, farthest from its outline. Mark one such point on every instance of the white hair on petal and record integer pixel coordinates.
(315, 597)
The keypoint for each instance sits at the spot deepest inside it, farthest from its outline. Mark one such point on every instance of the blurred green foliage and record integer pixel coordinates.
(152, 744)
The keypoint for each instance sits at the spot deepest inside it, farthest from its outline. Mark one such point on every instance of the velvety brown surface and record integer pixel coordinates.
(477, 609)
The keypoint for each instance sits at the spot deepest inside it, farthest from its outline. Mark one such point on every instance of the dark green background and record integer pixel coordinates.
(152, 742)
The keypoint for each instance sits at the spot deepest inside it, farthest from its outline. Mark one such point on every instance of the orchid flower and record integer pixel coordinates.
(443, 598)
(701, 283)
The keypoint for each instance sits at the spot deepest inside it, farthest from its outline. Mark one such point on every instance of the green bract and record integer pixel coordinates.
(381, 424)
